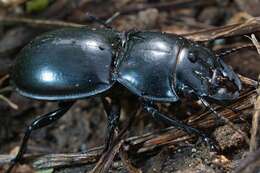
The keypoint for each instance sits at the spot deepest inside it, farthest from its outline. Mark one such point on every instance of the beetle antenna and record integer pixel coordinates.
(224, 119)
(222, 53)
(105, 23)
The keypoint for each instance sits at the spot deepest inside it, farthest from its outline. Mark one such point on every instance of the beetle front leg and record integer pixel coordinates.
(39, 122)
(180, 125)
(113, 114)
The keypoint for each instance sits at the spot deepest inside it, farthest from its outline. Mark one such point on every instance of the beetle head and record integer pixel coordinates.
(207, 75)
(224, 84)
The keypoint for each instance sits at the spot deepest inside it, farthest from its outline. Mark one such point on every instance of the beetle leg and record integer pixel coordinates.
(38, 123)
(180, 125)
(218, 118)
(113, 114)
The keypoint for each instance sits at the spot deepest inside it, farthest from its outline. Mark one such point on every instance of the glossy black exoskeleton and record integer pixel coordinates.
(77, 63)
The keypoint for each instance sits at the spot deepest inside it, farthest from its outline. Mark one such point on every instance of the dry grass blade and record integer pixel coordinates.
(255, 42)
(9, 102)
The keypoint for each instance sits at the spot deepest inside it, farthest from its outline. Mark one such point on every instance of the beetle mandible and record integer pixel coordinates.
(77, 63)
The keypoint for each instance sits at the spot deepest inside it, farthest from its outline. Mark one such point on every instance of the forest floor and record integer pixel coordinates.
(74, 143)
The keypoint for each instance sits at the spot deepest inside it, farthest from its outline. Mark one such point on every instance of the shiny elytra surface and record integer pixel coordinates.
(65, 64)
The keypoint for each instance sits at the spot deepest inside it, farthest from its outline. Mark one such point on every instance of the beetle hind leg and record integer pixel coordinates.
(113, 114)
(38, 123)
(180, 125)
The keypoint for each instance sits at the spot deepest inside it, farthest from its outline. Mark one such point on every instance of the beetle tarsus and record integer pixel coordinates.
(219, 120)
(113, 114)
(12, 164)
(213, 146)
(39, 122)
(171, 121)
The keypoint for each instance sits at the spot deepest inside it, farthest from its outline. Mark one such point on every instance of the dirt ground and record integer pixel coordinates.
(146, 146)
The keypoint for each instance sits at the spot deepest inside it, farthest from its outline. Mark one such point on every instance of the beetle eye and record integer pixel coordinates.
(192, 57)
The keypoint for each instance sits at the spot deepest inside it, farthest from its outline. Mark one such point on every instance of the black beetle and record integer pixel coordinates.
(77, 63)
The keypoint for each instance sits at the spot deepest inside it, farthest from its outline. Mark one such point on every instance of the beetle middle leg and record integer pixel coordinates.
(38, 123)
(150, 108)
(113, 114)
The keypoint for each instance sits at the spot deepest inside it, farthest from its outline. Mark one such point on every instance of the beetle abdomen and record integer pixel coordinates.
(147, 67)
(70, 63)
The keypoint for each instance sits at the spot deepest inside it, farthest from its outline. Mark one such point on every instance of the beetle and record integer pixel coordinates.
(77, 63)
